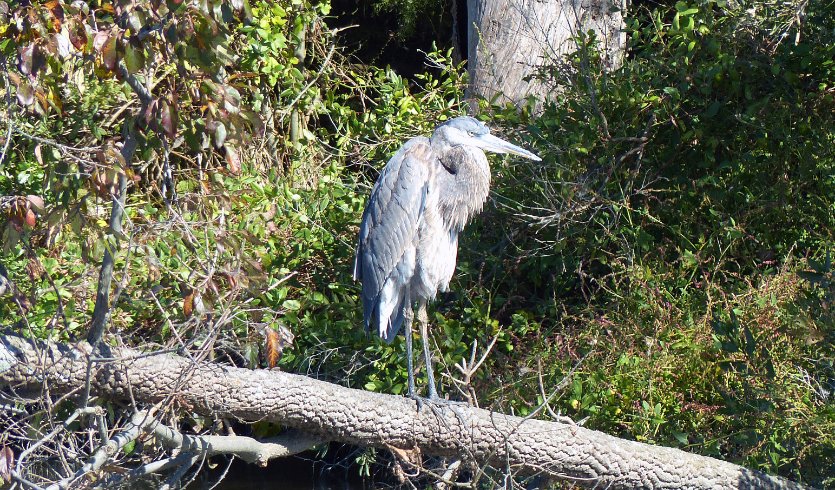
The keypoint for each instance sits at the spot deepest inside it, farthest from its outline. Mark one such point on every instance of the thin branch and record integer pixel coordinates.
(309, 84)
(102, 307)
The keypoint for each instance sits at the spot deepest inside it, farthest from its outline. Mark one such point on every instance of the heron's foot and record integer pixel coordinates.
(419, 400)
(443, 402)
(433, 401)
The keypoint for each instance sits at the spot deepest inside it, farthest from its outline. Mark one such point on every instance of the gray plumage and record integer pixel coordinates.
(408, 241)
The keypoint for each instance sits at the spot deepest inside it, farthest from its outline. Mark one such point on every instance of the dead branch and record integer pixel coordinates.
(560, 450)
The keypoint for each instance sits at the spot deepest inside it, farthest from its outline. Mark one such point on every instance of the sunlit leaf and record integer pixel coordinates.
(109, 54)
(25, 94)
(134, 58)
(31, 59)
(168, 118)
(220, 134)
(36, 202)
(100, 40)
(136, 20)
(292, 304)
(61, 43)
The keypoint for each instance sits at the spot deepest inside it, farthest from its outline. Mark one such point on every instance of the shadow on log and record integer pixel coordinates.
(328, 412)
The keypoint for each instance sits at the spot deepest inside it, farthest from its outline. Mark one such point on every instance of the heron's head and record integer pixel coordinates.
(468, 131)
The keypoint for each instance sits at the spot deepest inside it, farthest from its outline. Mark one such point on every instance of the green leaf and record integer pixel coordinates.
(134, 58)
(25, 94)
(220, 134)
(291, 304)
(712, 109)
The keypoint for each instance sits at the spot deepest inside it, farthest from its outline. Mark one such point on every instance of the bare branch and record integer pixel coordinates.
(559, 450)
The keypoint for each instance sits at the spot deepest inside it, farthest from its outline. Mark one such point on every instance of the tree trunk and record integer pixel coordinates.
(511, 40)
(562, 451)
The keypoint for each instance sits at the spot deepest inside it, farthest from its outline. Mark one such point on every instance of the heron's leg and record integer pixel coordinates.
(408, 314)
(423, 320)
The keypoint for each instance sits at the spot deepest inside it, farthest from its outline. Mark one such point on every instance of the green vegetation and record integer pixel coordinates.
(670, 258)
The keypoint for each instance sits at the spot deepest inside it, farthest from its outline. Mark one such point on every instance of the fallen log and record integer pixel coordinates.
(561, 450)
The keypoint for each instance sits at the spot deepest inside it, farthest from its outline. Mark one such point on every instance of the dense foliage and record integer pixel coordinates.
(666, 266)
(664, 236)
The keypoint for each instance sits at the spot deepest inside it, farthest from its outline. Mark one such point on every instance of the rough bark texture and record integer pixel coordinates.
(562, 450)
(510, 40)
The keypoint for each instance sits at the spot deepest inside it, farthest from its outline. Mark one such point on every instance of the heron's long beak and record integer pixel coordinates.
(489, 142)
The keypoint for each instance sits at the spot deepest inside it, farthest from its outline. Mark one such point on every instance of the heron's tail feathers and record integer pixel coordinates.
(393, 325)
(388, 315)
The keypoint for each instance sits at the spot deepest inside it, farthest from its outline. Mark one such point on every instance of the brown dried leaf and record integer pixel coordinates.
(78, 34)
(188, 304)
(411, 456)
(270, 214)
(233, 161)
(34, 269)
(30, 218)
(57, 12)
(274, 347)
(39, 154)
(101, 183)
(109, 54)
(233, 283)
(22, 302)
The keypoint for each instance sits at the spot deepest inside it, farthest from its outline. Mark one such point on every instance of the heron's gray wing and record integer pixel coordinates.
(389, 226)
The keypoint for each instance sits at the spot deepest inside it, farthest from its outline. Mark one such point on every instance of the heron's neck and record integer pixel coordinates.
(463, 183)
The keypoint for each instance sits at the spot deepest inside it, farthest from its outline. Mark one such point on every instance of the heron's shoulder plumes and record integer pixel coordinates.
(418, 148)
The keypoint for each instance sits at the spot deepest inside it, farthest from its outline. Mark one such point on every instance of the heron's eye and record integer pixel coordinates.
(470, 133)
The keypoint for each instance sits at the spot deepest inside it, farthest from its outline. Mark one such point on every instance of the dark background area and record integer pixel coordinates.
(386, 36)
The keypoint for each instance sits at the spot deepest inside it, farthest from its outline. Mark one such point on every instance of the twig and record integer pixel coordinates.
(43, 440)
(186, 461)
(102, 307)
(309, 84)
(105, 452)
(560, 386)
(9, 119)
(469, 369)
(23, 481)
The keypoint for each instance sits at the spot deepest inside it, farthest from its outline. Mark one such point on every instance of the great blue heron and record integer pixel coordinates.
(408, 239)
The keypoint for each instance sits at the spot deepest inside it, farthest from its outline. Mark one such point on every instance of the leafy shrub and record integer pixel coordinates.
(658, 244)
